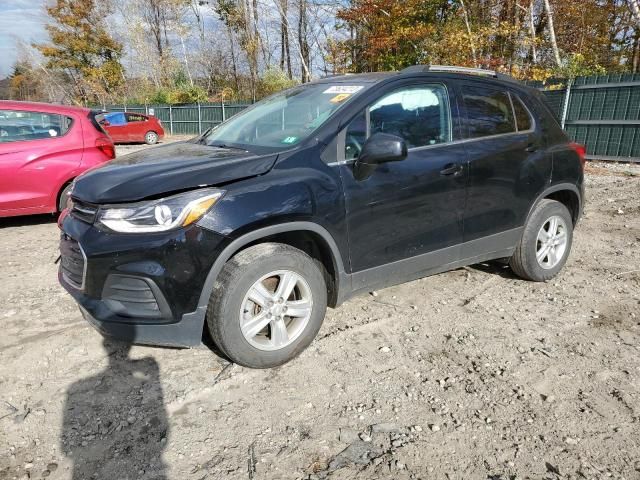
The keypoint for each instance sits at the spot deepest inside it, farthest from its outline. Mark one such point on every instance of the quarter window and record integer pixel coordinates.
(523, 118)
(17, 125)
(489, 112)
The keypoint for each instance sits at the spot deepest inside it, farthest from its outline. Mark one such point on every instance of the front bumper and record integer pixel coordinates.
(139, 288)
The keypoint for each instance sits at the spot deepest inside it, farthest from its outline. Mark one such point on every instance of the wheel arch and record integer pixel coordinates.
(306, 236)
(566, 193)
(57, 193)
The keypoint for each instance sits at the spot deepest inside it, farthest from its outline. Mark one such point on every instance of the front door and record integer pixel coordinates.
(406, 215)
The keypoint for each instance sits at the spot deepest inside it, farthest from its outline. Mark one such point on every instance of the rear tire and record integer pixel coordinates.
(151, 138)
(267, 305)
(545, 244)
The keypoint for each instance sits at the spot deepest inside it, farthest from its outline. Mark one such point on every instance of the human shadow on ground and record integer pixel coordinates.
(115, 425)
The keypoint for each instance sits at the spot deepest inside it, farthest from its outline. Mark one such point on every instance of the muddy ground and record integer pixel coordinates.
(483, 376)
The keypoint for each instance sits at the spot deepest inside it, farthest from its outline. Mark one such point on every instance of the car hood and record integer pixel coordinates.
(166, 169)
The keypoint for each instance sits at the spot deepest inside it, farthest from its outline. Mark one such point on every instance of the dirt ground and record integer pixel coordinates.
(468, 374)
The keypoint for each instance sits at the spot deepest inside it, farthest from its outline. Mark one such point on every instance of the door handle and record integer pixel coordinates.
(532, 147)
(451, 169)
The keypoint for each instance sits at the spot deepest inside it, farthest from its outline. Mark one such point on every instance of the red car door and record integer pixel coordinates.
(116, 125)
(137, 126)
(34, 148)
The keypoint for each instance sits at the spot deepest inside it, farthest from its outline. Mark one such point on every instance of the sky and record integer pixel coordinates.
(20, 21)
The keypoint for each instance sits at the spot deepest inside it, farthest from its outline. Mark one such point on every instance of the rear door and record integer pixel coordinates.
(137, 127)
(37, 150)
(508, 165)
(406, 209)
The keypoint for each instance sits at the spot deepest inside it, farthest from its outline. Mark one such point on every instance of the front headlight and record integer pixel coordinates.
(159, 215)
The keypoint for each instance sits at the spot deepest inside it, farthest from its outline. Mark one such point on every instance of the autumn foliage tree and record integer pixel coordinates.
(526, 38)
(82, 48)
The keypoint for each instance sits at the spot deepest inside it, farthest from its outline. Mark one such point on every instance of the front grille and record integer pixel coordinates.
(84, 211)
(72, 261)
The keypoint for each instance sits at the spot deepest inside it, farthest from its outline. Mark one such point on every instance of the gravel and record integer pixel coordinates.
(554, 366)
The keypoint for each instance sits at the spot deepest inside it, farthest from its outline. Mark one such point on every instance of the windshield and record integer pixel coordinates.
(284, 119)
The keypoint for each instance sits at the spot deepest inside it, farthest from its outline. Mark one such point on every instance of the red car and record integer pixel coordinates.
(127, 127)
(43, 147)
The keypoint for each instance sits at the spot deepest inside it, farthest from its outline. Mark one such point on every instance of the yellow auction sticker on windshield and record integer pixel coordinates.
(350, 89)
(340, 98)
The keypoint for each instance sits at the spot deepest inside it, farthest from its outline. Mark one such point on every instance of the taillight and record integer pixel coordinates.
(105, 145)
(581, 150)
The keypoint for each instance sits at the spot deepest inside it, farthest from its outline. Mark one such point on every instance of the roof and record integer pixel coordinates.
(372, 77)
(41, 107)
(434, 71)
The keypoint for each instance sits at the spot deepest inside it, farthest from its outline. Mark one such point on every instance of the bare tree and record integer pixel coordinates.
(552, 33)
(285, 52)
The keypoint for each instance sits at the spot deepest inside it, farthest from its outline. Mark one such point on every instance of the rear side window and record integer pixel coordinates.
(18, 125)
(523, 118)
(135, 117)
(489, 112)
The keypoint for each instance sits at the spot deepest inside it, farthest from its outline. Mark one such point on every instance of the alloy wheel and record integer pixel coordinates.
(276, 310)
(551, 242)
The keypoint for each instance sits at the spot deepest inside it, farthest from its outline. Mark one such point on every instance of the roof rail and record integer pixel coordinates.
(456, 69)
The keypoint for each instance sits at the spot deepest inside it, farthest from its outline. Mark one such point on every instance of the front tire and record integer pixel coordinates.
(267, 305)
(545, 244)
(151, 138)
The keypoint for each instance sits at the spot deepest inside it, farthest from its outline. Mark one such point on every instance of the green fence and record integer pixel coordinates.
(185, 119)
(601, 112)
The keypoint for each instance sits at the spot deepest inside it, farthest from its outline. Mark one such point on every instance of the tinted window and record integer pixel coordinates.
(419, 115)
(523, 119)
(18, 125)
(134, 117)
(489, 112)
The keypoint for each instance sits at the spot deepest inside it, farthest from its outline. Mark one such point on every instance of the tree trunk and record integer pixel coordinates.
(468, 25)
(552, 33)
(532, 30)
(302, 42)
(285, 52)
(635, 10)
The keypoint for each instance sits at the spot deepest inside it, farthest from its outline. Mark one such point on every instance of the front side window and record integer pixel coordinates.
(417, 114)
(489, 112)
(112, 119)
(17, 125)
(285, 119)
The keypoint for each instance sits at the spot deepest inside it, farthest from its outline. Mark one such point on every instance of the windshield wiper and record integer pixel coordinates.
(230, 147)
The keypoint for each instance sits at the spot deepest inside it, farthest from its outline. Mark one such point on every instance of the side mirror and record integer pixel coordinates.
(382, 148)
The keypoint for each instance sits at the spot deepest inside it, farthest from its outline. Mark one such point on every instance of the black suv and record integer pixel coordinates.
(315, 194)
